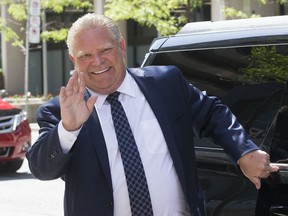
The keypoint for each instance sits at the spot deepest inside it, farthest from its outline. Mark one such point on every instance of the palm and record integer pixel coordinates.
(74, 109)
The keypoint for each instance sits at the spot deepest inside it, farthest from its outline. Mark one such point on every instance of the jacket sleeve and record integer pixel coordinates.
(45, 157)
(211, 118)
(207, 115)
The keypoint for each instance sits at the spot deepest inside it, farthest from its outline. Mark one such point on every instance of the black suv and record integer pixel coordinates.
(245, 64)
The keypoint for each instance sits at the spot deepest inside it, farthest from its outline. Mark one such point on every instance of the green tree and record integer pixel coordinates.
(237, 14)
(18, 11)
(162, 14)
(266, 64)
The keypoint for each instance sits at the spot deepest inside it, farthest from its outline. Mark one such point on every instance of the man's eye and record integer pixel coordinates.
(106, 50)
(84, 56)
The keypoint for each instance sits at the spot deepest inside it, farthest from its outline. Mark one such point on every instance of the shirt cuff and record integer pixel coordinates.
(66, 138)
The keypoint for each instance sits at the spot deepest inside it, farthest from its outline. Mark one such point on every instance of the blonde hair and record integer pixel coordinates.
(90, 21)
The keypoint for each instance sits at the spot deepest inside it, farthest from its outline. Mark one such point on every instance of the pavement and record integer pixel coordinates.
(24, 195)
(34, 126)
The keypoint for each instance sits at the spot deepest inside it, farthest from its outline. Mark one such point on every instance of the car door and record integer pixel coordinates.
(272, 197)
(237, 75)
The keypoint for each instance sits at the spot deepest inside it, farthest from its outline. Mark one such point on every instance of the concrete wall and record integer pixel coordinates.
(13, 59)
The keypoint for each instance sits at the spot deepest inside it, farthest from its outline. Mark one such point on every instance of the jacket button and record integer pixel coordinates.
(111, 204)
(53, 155)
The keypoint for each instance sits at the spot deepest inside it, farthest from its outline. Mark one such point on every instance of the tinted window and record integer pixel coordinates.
(250, 80)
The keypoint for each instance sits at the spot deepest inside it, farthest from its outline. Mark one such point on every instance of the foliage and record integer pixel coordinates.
(236, 14)
(164, 15)
(264, 2)
(9, 35)
(17, 8)
(155, 13)
(231, 12)
(266, 64)
(59, 6)
(18, 11)
(55, 35)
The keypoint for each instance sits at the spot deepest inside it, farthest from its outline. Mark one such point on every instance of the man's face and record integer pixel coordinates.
(101, 59)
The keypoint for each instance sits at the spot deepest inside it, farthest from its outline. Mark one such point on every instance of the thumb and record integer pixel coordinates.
(256, 181)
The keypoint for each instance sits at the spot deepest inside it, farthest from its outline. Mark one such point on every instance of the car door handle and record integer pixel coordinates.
(282, 166)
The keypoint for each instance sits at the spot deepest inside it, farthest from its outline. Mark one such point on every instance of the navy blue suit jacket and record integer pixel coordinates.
(182, 111)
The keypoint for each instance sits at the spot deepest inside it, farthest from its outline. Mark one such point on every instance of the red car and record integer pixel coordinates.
(15, 137)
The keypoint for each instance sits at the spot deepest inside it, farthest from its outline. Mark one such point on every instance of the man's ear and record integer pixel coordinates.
(123, 47)
(72, 58)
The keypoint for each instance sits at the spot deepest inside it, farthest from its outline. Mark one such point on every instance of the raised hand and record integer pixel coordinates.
(74, 109)
(256, 165)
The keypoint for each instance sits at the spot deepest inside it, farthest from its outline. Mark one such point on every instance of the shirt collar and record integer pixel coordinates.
(127, 87)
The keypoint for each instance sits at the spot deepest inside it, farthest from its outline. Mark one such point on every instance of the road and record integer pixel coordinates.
(23, 195)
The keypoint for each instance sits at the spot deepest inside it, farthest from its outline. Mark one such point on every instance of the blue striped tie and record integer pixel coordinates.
(139, 196)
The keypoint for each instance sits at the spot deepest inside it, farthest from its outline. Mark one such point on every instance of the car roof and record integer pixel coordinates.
(208, 34)
(233, 25)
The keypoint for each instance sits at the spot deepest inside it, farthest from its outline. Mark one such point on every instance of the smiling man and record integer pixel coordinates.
(142, 163)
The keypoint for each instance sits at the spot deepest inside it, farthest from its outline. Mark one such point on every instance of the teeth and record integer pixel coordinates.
(102, 71)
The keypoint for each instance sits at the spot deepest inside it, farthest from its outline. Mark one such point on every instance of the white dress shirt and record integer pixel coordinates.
(166, 193)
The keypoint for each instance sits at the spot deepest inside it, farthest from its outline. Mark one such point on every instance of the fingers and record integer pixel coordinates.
(268, 170)
(72, 83)
(257, 180)
(90, 102)
(77, 82)
(256, 165)
(75, 85)
(274, 168)
(62, 95)
(267, 166)
(81, 83)
(265, 174)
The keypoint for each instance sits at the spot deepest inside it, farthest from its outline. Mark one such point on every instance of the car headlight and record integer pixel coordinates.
(18, 118)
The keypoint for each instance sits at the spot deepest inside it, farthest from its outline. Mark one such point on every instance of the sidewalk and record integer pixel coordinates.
(34, 126)
(34, 132)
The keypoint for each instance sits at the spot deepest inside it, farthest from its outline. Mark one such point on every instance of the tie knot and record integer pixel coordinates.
(113, 97)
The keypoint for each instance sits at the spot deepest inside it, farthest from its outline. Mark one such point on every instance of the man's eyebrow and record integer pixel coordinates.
(104, 46)
(107, 45)
(80, 53)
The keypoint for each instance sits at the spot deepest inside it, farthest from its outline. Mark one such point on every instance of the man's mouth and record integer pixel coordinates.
(101, 71)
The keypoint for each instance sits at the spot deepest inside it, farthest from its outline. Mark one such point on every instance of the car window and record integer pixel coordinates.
(249, 79)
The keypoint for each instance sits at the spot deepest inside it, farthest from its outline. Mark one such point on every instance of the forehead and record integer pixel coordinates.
(96, 38)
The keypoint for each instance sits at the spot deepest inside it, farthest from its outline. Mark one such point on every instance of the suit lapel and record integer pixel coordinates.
(94, 127)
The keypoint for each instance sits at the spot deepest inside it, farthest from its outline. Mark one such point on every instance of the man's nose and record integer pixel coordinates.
(97, 59)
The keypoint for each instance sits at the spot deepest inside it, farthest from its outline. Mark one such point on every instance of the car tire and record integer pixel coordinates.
(10, 166)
